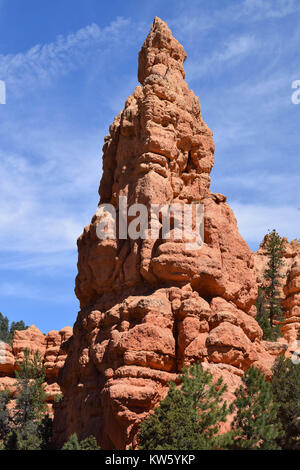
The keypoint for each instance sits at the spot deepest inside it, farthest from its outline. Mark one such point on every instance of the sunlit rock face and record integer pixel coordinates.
(52, 353)
(149, 307)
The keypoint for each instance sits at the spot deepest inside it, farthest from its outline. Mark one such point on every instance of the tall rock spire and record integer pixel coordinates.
(160, 52)
(159, 150)
(149, 307)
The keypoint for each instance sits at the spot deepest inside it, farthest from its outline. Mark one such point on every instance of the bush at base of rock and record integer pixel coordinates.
(265, 415)
(26, 425)
(32, 436)
(255, 424)
(189, 417)
(4, 415)
(73, 443)
(286, 390)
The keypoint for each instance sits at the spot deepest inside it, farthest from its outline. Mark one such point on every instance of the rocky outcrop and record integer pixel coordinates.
(7, 359)
(291, 303)
(55, 352)
(31, 339)
(149, 307)
(51, 348)
(289, 284)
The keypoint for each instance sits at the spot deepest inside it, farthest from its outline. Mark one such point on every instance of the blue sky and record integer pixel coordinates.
(69, 66)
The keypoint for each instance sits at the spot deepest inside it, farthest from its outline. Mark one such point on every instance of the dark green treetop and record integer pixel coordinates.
(256, 413)
(286, 390)
(268, 302)
(189, 417)
(6, 331)
(73, 443)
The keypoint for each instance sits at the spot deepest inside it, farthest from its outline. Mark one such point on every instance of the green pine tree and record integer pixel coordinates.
(188, 418)
(286, 390)
(45, 428)
(4, 328)
(255, 424)
(5, 417)
(24, 438)
(6, 331)
(31, 428)
(73, 443)
(275, 251)
(89, 443)
(262, 316)
(31, 401)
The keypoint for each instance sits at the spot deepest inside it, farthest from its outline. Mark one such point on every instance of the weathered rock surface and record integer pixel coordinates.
(31, 339)
(51, 350)
(149, 307)
(289, 285)
(7, 359)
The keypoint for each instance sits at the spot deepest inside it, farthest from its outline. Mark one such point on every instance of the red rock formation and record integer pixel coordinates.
(289, 284)
(291, 303)
(55, 355)
(31, 339)
(7, 359)
(149, 307)
(50, 348)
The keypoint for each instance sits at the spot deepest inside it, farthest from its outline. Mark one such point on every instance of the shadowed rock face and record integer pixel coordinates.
(150, 307)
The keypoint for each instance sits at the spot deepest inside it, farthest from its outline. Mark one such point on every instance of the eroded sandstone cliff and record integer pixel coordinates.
(50, 348)
(149, 307)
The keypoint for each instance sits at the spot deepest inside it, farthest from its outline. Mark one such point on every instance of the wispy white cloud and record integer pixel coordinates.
(260, 98)
(276, 9)
(40, 263)
(187, 25)
(45, 201)
(252, 180)
(232, 131)
(27, 291)
(254, 221)
(40, 64)
(234, 49)
(199, 21)
(49, 170)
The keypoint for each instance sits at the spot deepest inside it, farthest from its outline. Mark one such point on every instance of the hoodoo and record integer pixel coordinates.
(149, 307)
